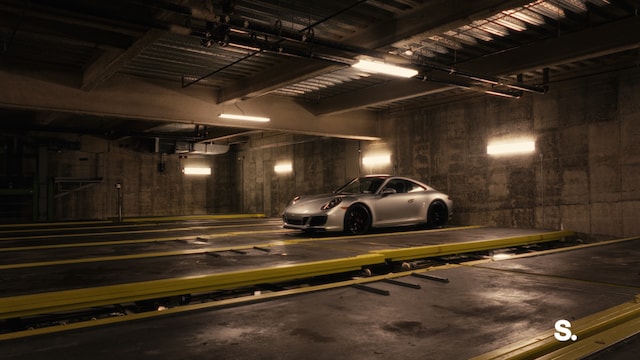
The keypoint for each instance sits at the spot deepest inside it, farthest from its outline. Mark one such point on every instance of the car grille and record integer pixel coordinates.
(318, 220)
(293, 221)
(306, 220)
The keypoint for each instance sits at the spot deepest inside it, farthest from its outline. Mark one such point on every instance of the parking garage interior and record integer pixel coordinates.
(108, 107)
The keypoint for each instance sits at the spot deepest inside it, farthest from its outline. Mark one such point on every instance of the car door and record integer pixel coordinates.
(398, 207)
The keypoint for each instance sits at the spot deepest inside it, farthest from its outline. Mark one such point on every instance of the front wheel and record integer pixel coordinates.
(438, 214)
(357, 220)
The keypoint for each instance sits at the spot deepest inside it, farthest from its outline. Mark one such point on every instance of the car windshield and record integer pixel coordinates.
(363, 185)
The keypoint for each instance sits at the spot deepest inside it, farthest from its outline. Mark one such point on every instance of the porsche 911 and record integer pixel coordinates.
(373, 201)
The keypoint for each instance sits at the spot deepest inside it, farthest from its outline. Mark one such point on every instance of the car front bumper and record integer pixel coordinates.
(311, 222)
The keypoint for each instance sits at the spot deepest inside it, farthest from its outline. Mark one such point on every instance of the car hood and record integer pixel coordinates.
(312, 202)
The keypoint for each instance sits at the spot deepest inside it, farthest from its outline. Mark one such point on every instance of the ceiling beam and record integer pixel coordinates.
(112, 61)
(432, 16)
(274, 78)
(131, 98)
(376, 95)
(420, 19)
(586, 44)
(590, 43)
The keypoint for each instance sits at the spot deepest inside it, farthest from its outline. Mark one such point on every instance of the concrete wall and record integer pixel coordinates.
(584, 174)
(146, 191)
(319, 165)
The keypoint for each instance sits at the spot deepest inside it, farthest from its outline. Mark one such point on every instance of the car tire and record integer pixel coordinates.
(357, 220)
(438, 214)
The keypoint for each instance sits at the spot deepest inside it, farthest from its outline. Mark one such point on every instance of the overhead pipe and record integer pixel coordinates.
(489, 91)
(262, 45)
(306, 36)
(490, 80)
(346, 58)
(514, 89)
(303, 33)
(303, 36)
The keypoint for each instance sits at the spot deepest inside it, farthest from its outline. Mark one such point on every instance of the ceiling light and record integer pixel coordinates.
(197, 171)
(380, 67)
(505, 148)
(244, 117)
(283, 168)
(376, 160)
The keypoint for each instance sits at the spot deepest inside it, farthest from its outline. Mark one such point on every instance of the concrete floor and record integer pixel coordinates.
(482, 308)
(28, 280)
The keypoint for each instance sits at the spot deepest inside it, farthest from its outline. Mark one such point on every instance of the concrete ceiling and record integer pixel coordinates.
(166, 68)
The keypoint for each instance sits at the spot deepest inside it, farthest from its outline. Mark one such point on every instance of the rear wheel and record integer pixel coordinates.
(357, 220)
(438, 214)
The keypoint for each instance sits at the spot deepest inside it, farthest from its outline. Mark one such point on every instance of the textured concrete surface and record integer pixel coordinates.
(303, 249)
(479, 310)
(584, 175)
(146, 191)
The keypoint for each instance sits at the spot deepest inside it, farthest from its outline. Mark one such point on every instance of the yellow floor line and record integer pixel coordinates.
(471, 246)
(191, 228)
(137, 219)
(127, 222)
(62, 223)
(195, 217)
(553, 251)
(585, 329)
(131, 257)
(66, 300)
(480, 263)
(582, 348)
(114, 226)
(593, 332)
(212, 305)
(138, 241)
(169, 253)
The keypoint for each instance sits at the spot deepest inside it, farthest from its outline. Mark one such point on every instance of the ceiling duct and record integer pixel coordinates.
(209, 149)
(183, 147)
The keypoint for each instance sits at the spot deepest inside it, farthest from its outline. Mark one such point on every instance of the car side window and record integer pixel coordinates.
(398, 185)
(413, 187)
(402, 186)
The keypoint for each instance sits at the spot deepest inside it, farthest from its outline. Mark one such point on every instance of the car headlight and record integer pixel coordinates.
(331, 204)
(294, 200)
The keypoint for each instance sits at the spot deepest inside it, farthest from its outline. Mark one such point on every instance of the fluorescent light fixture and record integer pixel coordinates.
(497, 93)
(283, 168)
(197, 171)
(376, 160)
(380, 67)
(244, 117)
(507, 148)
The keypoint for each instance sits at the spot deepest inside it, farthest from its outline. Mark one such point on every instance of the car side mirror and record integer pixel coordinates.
(388, 191)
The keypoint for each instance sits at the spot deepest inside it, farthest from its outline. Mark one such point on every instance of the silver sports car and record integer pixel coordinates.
(370, 201)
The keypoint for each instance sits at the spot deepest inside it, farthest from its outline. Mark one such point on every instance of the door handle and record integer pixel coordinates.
(411, 201)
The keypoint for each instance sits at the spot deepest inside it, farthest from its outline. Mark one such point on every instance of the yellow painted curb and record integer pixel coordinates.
(470, 246)
(26, 305)
(586, 330)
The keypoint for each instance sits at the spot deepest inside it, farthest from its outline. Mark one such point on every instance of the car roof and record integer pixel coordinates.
(377, 176)
(388, 176)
